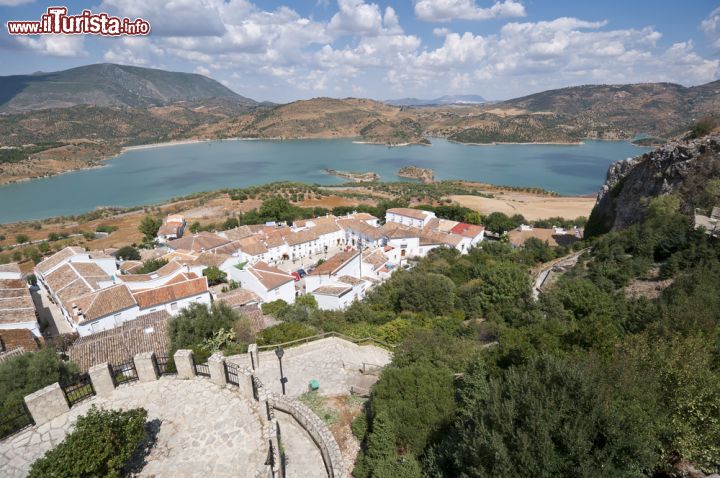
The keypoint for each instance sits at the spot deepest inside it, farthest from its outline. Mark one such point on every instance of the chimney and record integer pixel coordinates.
(75, 309)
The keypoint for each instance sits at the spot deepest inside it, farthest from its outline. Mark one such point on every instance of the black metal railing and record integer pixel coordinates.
(165, 365)
(124, 372)
(77, 388)
(232, 373)
(202, 369)
(14, 418)
(255, 387)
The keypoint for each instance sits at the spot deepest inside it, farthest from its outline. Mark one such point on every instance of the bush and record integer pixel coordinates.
(151, 265)
(285, 332)
(359, 426)
(106, 228)
(194, 326)
(22, 238)
(214, 275)
(128, 253)
(23, 375)
(102, 444)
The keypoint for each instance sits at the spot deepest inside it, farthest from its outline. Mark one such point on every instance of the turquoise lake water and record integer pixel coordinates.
(154, 175)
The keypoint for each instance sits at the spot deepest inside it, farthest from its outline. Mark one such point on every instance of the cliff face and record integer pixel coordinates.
(681, 167)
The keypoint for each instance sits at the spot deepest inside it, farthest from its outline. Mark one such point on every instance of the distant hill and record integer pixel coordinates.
(110, 85)
(442, 101)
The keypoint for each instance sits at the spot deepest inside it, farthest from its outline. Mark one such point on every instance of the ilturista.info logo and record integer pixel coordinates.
(57, 21)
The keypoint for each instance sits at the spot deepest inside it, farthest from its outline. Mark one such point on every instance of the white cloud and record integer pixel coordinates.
(440, 32)
(447, 10)
(201, 70)
(53, 45)
(14, 3)
(356, 17)
(711, 27)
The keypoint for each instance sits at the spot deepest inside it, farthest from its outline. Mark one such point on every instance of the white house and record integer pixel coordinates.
(340, 280)
(409, 217)
(174, 296)
(160, 277)
(346, 263)
(268, 282)
(405, 238)
(302, 244)
(361, 234)
(173, 228)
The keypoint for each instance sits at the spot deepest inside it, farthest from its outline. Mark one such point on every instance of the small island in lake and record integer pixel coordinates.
(413, 172)
(358, 177)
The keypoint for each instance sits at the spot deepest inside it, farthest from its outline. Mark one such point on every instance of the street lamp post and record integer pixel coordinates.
(280, 352)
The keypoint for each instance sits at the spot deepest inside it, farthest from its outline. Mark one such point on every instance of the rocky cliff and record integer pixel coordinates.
(681, 167)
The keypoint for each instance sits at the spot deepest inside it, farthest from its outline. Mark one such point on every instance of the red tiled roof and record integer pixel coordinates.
(334, 263)
(467, 230)
(171, 292)
(204, 241)
(270, 277)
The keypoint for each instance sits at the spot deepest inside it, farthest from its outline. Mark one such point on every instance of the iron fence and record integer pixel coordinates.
(202, 369)
(14, 418)
(232, 373)
(165, 365)
(256, 394)
(77, 388)
(124, 372)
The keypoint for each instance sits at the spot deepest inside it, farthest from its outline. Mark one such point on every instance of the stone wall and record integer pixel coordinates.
(50, 402)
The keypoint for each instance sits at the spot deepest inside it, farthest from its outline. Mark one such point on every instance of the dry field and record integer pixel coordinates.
(531, 206)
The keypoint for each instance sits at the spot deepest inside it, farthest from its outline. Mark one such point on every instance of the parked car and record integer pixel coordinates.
(296, 276)
(302, 272)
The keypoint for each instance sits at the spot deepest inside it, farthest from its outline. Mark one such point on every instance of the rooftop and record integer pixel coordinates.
(336, 262)
(204, 241)
(270, 277)
(301, 237)
(335, 291)
(100, 304)
(410, 212)
(467, 230)
(12, 268)
(361, 227)
(147, 333)
(171, 292)
(16, 304)
(12, 339)
(58, 258)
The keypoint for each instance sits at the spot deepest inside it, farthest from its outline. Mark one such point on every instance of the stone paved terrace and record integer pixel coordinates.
(206, 431)
(334, 362)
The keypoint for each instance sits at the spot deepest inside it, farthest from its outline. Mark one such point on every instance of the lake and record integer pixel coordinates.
(153, 175)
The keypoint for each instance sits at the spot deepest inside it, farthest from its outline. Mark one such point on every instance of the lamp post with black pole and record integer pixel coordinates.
(280, 352)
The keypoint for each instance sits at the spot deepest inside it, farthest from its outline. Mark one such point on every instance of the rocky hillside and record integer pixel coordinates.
(681, 167)
(109, 85)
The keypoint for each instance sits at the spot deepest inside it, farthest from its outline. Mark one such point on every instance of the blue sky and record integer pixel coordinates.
(285, 50)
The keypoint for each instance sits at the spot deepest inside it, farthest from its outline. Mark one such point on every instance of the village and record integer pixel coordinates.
(99, 301)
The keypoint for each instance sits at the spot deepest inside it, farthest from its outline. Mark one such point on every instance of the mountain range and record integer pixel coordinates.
(109, 85)
(51, 122)
(442, 101)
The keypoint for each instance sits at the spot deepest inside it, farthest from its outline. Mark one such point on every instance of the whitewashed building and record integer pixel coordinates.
(409, 217)
(268, 282)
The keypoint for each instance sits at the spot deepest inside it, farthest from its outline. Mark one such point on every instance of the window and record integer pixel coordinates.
(174, 306)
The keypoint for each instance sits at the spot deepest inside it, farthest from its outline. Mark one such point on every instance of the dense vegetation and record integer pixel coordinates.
(586, 381)
(102, 444)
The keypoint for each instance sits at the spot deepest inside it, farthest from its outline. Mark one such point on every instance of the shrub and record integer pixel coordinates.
(285, 332)
(22, 238)
(214, 275)
(106, 228)
(101, 445)
(128, 253)
(359, 426)
(151, 265)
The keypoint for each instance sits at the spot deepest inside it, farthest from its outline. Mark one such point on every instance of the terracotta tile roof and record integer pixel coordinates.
(430, 238)
(270, 277)
(363, 216)
(58, 258)
(239, 297)
(274, 240)
(204, 241)
(300, 223)
(393, 230)
(335, 291)
(74, 279)
(253, 246)
(147, 333)
(12, 267)
(129, 266)
(16, 304)
(325, 228)
(102, 303)
(169, 228)
(410, 212)
(376, 258)
(350, 280)
(11, 339)
(180, 255)
(301, 237)
(331, 265)
(467, 230)
(227, 249)
(433, 224)
(445, 225)
(238, 233)
(209, 259)
(168, 269)
(360, 227)
(171, 292)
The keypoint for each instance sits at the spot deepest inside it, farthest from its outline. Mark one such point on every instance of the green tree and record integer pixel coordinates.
(151, 265)
(101, 444)
(22, 239)
(128, 253)
(214, 275)
(27, 373)
(430, 293)
(149, 227)
(198, 323)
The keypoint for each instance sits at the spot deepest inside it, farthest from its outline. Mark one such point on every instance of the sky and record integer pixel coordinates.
(282, 50)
